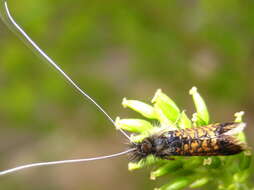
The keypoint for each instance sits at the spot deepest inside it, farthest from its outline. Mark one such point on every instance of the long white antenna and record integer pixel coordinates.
(51, 62)
(63, 162)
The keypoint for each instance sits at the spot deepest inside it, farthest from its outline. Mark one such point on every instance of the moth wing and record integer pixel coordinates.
(234, 129)
(229, 145)
(230, 128)
(217, 146)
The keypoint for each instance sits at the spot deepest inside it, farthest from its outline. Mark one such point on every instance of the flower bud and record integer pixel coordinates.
(165, 169)
(176, 185)
(167, 105)
(150, 160)
(139, 138)
(133, 125)
(241, 176)
(212, 162)
(140, 107)
(184, 121)
(193, 163)
(199, 182)
(239, 116)
(245, 160)
(202, 112)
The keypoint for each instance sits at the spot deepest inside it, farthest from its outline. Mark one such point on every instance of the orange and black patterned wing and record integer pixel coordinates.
(217, 146)
(209, 131)
(211, 140)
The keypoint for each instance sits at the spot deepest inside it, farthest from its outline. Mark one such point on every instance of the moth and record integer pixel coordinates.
(212, 140)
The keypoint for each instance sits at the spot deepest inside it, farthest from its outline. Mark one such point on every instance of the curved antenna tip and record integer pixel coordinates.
(14, 26)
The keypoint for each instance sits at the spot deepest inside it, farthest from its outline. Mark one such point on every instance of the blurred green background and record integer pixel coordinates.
(114, 49)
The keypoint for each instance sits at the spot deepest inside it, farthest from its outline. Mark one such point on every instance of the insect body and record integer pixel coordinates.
(211, 140)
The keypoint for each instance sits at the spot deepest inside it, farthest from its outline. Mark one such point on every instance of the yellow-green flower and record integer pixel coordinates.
(219, 172)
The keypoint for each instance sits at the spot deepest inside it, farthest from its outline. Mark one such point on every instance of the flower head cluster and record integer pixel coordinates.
(215, 172)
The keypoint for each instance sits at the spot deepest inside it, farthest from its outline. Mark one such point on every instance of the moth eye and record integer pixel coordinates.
(146, 146)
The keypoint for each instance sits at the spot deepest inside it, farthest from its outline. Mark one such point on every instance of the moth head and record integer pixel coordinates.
(146, 146)
(142, 150)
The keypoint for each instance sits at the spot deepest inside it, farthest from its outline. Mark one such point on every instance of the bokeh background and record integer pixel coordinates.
(114, 49)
